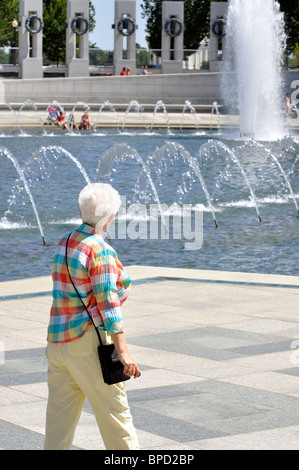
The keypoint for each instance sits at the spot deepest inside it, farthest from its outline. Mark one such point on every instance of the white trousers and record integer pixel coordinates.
(74, 373)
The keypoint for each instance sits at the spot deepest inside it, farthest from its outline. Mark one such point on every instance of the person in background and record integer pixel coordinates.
(145, 71)
(85, 123)
(287, 104)
(123, 72)
(72, 122)
(61, 119)
(290, 107)
(74, 371)
(53, 115)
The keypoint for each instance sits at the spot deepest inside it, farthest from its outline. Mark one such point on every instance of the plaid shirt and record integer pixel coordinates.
(99, 278)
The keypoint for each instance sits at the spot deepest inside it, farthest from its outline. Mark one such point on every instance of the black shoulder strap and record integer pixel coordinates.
(66, 249)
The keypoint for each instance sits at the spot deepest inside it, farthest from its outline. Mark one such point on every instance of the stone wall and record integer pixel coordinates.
(201, 88)
(198, 88)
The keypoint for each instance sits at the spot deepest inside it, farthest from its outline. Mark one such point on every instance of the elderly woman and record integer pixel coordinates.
(74, 371)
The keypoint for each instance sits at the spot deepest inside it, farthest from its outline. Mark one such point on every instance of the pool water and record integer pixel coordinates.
(230, 182)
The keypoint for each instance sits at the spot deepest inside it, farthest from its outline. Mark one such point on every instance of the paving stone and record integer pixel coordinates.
(214, 375)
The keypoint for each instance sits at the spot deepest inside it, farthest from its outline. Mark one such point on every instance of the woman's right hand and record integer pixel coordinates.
(130, 366)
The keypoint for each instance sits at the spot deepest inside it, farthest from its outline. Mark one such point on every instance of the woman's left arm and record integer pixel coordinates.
(123, 283)
(109, 289)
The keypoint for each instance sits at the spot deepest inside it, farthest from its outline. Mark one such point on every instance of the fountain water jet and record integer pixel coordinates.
(236, 160)
(124, 151)
(24, 181)
(188, 105)
(176, 152)
(11, 110)
(282, 171)
(193, 164)
(159, 105)
(251, 79)
(108, 105)
(133, 105)
(56, 152)
(215, 111)
(33, 105)
(61, 151)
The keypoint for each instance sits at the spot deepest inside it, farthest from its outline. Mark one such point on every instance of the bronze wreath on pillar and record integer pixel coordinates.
(76, 25)
(218, 28)
(29, 24)
(126, 27)
(171, 29)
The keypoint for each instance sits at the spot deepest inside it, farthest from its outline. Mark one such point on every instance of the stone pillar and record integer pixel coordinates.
(77, 62)
(217, 33)
(31, 38)
(172, 37)
(125, 36)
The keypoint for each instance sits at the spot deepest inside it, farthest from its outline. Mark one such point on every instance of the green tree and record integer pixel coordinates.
(141, 55)
(294, 60)
(54, 38)
(291, 17)
(54, 35)
(98, 56)
(152, 10)
(197, 19)
(9, 10)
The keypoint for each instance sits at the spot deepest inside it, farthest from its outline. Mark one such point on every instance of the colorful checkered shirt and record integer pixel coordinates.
(99, 278)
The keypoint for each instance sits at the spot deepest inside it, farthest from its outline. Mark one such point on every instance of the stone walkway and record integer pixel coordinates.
(219, 354)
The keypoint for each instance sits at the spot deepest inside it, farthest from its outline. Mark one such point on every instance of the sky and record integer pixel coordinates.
(103, 34)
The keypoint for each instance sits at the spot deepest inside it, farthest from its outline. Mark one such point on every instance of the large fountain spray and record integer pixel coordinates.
(252, 84)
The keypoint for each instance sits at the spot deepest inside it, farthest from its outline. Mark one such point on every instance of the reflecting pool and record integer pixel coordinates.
(247, 191)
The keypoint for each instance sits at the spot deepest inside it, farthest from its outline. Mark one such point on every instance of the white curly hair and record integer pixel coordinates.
(97, 203)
